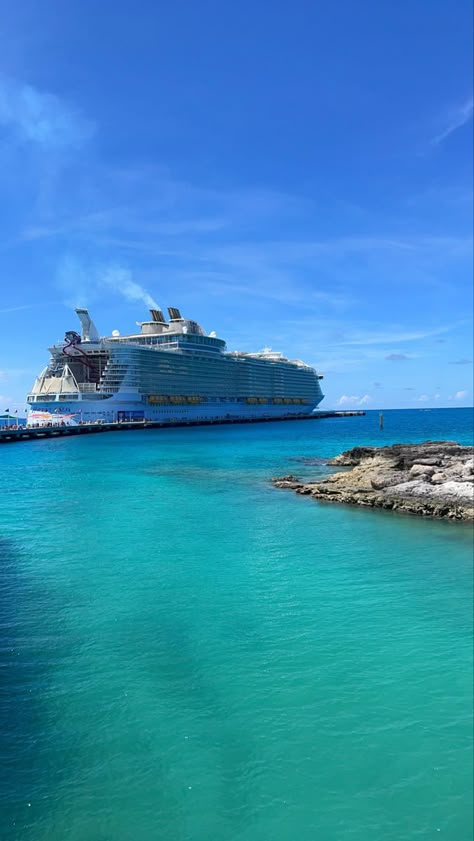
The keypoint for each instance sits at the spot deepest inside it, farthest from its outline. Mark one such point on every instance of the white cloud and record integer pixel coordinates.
(354, 400)
(347, 398)
(457, 118)
(40, 117)
(459, 395)
(423, 398)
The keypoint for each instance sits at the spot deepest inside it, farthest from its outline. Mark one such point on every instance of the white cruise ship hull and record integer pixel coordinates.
(46, 413)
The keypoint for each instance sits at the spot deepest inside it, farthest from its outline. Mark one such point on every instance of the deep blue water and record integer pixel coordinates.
(189, 654)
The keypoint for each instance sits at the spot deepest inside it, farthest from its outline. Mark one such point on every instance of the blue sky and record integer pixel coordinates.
(291, 174)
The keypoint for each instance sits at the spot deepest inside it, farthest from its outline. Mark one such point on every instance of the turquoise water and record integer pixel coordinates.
(189, 654)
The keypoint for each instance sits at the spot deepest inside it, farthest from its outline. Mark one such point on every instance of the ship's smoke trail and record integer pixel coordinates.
(82, 283)
(120, 280)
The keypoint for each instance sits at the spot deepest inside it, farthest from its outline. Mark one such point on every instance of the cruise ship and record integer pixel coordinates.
(170, 371)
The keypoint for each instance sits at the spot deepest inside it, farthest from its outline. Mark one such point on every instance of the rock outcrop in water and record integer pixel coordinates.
(434, 479)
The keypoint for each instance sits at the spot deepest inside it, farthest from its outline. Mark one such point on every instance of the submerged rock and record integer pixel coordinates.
(433, 479)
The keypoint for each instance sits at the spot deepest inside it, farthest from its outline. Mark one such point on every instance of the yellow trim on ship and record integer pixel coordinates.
(173, 399)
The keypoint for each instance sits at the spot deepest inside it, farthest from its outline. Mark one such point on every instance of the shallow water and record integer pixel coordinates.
(189, 654)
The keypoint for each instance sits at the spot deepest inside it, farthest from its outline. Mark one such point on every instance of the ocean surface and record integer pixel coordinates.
(189, 654)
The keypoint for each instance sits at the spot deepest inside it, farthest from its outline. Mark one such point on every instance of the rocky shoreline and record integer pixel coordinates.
(432, 479)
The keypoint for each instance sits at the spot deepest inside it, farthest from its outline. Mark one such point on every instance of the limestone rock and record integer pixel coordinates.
(435, 478)
(421, 469)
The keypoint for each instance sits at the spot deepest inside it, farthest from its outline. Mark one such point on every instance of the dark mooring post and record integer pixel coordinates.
(381, 420)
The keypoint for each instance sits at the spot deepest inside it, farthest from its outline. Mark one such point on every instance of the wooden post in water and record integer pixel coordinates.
(381, 420)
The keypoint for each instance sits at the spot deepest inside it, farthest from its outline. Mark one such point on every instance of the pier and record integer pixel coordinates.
(31, 433)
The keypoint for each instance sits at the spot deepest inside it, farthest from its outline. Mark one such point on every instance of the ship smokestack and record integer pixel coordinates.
(175, 314)
(157, 316)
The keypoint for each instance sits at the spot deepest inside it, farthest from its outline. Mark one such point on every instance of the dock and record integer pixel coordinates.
(30, 433)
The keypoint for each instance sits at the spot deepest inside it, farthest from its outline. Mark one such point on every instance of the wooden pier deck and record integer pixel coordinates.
(28, 433)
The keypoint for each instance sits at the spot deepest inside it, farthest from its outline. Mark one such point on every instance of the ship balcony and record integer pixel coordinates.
(87, 388)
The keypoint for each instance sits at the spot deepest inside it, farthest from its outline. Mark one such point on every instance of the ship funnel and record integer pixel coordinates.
(157, 316)
(175, 314)
(89, 330)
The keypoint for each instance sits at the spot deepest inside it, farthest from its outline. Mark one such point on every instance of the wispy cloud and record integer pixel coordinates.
(388, 337)
(140, 207)
(224, 243)
(397, 357)
(462, 361)
(100, 222)
(6, 310)
(40, 117)
(454, 120)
